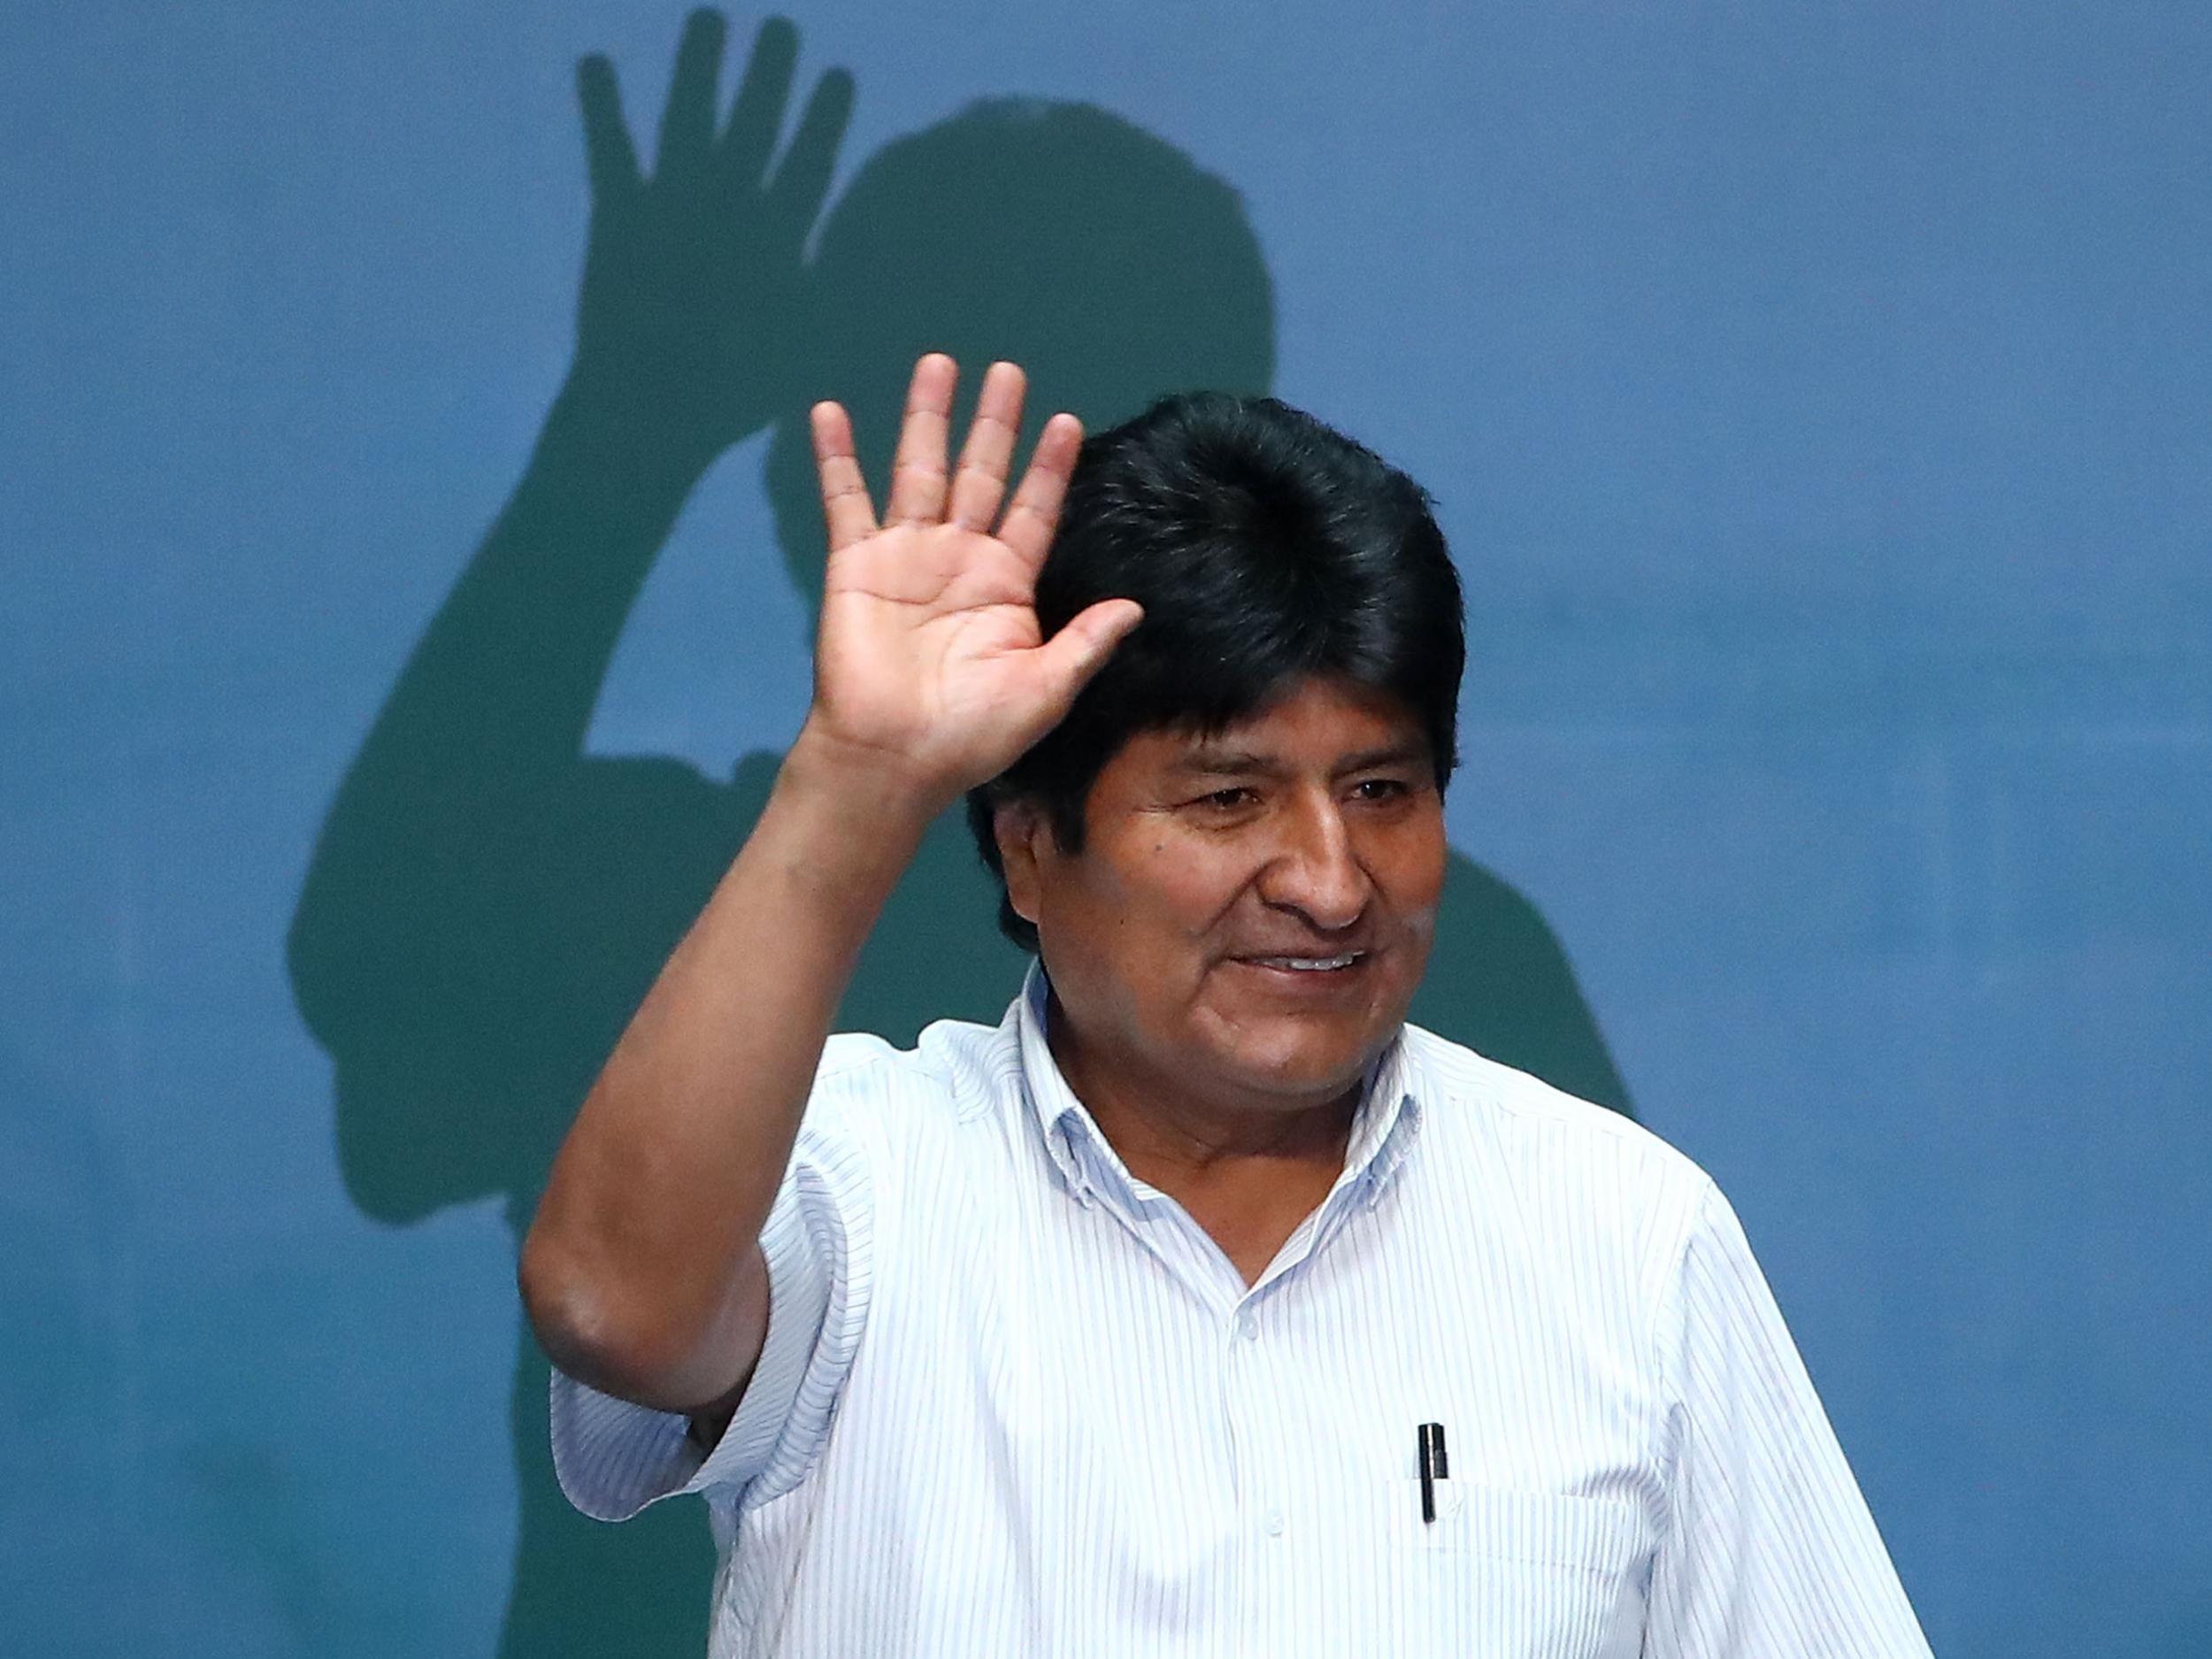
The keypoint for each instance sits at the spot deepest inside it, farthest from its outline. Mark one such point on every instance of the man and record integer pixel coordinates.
(1135, 1326)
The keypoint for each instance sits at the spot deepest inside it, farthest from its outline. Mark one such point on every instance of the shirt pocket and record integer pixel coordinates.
(1602, 1535)
(1512, 1572)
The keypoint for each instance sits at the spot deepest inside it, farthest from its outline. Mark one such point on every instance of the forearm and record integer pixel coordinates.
(513, 661)
(639, 1271)
(491, 709)
(642, 1272)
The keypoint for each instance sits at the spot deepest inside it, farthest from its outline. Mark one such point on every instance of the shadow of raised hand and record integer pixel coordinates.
(688, 327)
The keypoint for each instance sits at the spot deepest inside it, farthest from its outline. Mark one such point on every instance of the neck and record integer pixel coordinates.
(1175, 1136)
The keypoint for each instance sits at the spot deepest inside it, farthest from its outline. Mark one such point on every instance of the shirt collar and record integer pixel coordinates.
(1383, 1131)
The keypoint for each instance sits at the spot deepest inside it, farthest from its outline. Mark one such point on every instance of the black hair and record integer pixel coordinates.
(1265, 547)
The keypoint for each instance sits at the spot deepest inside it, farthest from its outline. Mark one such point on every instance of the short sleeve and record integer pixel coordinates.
(1770, 1551)
(613, 1457)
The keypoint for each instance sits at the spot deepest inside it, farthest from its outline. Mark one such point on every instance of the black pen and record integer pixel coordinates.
(1435, 1466)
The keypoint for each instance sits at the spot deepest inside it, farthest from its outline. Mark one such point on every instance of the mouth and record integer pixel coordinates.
(1303, 969)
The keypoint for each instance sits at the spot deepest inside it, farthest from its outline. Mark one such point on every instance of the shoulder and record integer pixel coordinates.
(1530, 1113)
(1565, 1162)
(889, 1132)
(955, 1070)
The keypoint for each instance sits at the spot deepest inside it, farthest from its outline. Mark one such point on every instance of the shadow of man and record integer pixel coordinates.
(486, 905)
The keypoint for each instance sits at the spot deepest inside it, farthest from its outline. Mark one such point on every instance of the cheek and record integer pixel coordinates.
(1416, 862)
(1426, 899)
(1179, 886)
(1140, 915)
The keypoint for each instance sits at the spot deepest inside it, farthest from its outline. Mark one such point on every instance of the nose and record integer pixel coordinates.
(1316, 870)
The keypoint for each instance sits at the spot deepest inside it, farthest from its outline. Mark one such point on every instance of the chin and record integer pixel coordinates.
(1300, 1072)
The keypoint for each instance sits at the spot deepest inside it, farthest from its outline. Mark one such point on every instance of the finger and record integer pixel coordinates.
(757, 113)
(1066, 661)
(846, 510)
(917, 472)
(686, 136)
(609, 155)
(1036, 513)
(802, 182)
(979, 485)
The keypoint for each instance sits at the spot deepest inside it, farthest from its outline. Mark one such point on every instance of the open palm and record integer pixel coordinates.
(929, 655)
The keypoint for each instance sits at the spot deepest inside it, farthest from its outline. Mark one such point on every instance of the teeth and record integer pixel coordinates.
(1308, 964)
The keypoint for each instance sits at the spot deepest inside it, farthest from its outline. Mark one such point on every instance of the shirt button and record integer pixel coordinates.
(1249, 1328)
(1274, 1523)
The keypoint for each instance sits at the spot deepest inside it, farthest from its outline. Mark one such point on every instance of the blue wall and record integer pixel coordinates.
(1816, 398)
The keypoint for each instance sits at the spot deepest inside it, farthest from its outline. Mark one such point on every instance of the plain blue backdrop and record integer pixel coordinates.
(1816, 398)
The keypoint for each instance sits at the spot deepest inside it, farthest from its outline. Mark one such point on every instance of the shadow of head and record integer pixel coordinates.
(1101, 258)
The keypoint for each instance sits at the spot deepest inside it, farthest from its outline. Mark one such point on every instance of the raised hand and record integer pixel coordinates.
(692, 277)
(930, 661)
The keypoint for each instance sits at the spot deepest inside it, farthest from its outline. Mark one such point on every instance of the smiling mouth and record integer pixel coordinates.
(1308, 964)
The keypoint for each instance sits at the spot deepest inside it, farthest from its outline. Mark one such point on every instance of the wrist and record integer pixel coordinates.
(860, 786)
(614, 430)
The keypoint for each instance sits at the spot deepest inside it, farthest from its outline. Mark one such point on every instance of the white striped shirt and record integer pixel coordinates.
(1013, 1401)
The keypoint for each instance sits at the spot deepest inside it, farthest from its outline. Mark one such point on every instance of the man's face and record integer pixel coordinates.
(1251, 911)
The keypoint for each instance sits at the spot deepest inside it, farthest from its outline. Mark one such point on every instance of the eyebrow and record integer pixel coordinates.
(1209, 763)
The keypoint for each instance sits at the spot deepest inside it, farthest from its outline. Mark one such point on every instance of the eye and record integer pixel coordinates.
(1229, 800)
(1381, 788)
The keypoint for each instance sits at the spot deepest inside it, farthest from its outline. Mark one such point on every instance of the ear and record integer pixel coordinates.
(1020, 829)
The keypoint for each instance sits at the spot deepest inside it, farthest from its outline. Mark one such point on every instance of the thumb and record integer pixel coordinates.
(1070, 657)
